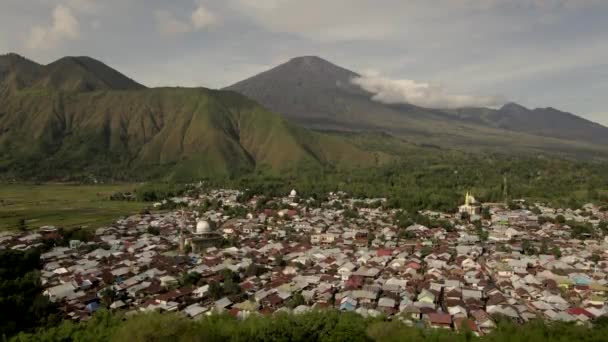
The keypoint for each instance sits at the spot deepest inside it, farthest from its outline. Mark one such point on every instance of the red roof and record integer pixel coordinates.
(580, 311)
(440, 318)
(384, 252)
(459, 321)
(247, 285)
(414, 265)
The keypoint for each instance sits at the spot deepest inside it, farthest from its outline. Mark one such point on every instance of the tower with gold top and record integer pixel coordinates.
(470, 206)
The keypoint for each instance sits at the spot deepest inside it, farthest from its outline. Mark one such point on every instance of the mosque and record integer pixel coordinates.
(203, 237)
(471, 206)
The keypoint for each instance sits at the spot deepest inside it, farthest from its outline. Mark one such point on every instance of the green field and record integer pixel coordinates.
(62, 205)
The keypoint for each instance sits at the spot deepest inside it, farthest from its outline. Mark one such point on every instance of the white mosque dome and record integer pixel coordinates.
(293, 193)
(203, 227)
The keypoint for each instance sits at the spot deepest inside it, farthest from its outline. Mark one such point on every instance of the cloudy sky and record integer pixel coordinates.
(536, 52)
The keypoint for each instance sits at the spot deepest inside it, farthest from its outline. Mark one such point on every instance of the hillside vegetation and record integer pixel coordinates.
(325, 325)
(162, 133)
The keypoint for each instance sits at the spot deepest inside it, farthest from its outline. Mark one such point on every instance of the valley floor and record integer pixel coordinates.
(65, 205)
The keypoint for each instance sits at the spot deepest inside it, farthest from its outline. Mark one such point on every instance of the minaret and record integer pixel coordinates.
(182, 242)
(505, 189)
(182, 238)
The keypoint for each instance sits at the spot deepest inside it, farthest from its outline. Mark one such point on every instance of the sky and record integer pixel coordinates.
(443, 53)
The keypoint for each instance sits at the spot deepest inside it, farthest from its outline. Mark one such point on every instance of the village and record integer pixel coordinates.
(221, 252)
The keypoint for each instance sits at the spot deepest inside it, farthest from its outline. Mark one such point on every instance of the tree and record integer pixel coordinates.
(215, 290)
(407, 234)
(557, 253)
(280, 261)
(22, 224)
(370, 238)
(527, 247)
(560, 219)
(153, 230)
(296, 300)
(485, 214)
(483, 234)
(190, 278)
(544, 249)
(254, 270)
(107, 296)
(24, 307)
(603, 227)
(465, 216)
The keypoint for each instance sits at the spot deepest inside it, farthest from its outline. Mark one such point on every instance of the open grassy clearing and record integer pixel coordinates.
(63, 205)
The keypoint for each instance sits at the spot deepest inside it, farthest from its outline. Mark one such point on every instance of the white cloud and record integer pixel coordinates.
(420, 94)
(200, 19)
(64, 27)
(168, 24)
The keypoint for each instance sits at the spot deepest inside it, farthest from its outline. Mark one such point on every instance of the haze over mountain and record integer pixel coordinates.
(322, 95)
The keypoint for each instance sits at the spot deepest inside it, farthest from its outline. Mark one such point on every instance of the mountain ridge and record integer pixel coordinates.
(77, 117)
(159, 133)
(70, 73)
(320, 94)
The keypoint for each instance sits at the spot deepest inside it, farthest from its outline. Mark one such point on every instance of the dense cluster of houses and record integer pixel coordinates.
(296, 257)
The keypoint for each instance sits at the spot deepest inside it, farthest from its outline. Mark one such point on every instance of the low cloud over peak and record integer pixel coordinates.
(200, 19)
(64, 26)
(422, 94)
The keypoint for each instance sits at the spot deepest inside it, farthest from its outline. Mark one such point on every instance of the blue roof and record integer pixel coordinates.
(347, 306)
(92, 307)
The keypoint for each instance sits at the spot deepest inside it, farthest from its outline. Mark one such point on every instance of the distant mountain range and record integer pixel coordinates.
(319, 94)
(73, 74)
(78, 117)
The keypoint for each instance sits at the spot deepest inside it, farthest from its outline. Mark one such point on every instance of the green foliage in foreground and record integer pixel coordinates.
(313, 326)
(22, 305)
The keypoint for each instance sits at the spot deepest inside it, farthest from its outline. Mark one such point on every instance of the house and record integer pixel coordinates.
(167, 281)
(460, 322)
(60, 292)
(348, 304)
(411, 312)
(426, 296)
(346, 270)
(387, 305)
(222, 304)
(483, 320)
(439, 320)
(194, 311)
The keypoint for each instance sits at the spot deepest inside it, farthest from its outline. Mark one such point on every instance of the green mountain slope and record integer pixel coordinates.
(159, 133)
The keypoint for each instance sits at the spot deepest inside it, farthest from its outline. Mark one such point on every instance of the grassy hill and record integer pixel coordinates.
(174, 133)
